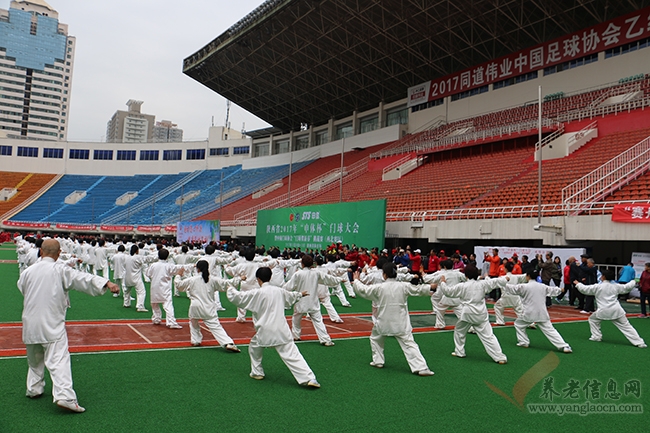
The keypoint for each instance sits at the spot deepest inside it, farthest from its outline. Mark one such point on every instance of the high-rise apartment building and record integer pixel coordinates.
(36, 63)
(167, 132)
(130, 126)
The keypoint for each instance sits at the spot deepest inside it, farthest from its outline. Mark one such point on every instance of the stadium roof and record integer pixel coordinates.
(307, 61)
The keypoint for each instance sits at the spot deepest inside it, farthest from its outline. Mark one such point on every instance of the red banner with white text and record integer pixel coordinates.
(631, 213)
(603, 36)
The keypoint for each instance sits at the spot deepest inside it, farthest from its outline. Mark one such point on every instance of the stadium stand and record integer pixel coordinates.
(27, 185)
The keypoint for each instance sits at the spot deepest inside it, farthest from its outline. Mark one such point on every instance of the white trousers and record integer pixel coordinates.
(621, 323)
(215, 328)
(56, 358)
(291, 357)
(485, 334)
(546, 327)
(331, 311)
(316, 320)
(502, 303)
(168, 306)
(349, 288)
(409, 347)
(140, 294)
(338, 292)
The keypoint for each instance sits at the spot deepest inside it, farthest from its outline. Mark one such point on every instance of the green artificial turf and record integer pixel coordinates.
(207, 389)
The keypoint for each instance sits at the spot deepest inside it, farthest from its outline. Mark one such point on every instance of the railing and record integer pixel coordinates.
(549, 138)
(31, 199)
(330, 173)
(615, 91)
(132, 210)
(396, 164)
(393, 149)
(302, 194)
(591, 112)
(580, 134)
(607, 178)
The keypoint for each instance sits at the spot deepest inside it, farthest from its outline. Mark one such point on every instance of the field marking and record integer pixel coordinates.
(140, 334)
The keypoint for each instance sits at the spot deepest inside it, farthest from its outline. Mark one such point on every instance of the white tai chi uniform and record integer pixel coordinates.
(161, 274)
(184, 259)
(133, 279)
(609, 308)
(508, 300)
(439, 302)
(474, 313)
(340, 269)
(101, 261)
(325, 300)
(215, 267)
(203, 306)
(45, 286)
(267, 305)
(119, 269)
(392, 319)
(307, 280)
(533, 310)
(247, 269)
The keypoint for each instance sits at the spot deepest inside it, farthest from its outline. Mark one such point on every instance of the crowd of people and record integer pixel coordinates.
(268, 281)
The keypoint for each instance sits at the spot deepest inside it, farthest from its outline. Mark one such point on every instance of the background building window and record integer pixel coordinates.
(149, 155)
(241, 150)
(105, 155)
(172, 155)
(31, 152)
(6, 150)
(52, 153)
(126, 155)
(219, 151)
(79, 154)
(195, 154)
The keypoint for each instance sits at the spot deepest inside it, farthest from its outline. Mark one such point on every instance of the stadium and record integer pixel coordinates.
(516, 124)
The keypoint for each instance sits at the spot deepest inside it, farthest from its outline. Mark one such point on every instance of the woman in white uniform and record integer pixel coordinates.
(201, 290)
(609, 308)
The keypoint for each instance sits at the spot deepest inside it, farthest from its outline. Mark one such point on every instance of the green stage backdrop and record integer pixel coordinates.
(362, 223)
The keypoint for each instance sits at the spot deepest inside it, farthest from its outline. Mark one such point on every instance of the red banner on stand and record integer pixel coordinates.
(149, 229)
(631, 213)
(170, 228)
(26, 224)
(79, 227)
(116, 228)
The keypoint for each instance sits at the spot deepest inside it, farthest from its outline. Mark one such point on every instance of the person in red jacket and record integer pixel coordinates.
(644, 288)
(434, 263)
(516, 269)
(495, 263)
(416, 260)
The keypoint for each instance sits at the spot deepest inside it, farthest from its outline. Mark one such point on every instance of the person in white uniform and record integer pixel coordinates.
(307, 280)
(392, 317)
(119, 269)
(247, 271)
(509, 300)
(267, 303)
(161, 274)
(133, 267)
(101, 258)
(474, 312)
(609, 308)
(45, 287)
(201, 290)
(439, 302)
(324, 293)
(533, 309)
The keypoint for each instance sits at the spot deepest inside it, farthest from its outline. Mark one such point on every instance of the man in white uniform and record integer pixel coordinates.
(392, 317)
(119, 269)
(267, 304)
(533, 310)
(439, 302)
(45, 287)
(307, 280)
(161, 274)
(609, 307)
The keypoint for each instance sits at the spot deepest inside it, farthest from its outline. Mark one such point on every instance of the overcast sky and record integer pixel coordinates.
(134, 49)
